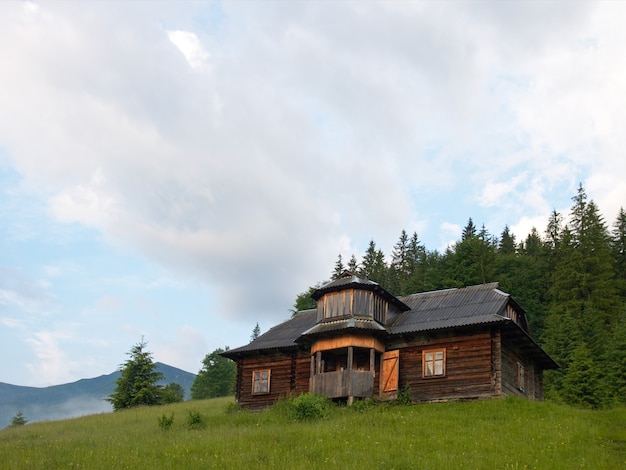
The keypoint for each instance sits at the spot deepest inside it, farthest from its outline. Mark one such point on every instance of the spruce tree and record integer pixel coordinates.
(137, 384)
(507, 242)
(256, 332)
(618, 246)
(353, 265)
(416, 261)
(583, 301)
(19, 419)
(581, 385)
(373, 265)
(339, 268)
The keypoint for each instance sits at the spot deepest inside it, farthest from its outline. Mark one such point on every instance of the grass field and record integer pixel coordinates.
(494, 434)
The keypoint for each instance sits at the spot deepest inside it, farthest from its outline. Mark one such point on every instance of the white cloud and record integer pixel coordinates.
(185, 350)
(54, 365)
(190, 46)
(307, 130)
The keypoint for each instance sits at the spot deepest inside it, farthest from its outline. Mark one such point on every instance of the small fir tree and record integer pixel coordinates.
(137, 384)
(19, 419)
(256, 332)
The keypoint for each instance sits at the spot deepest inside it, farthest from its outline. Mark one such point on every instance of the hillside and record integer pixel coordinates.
(85, 396)
(502, 434)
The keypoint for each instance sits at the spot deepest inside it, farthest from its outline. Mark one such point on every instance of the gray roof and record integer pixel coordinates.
(280, 336)
(345, 323)
(452, 308)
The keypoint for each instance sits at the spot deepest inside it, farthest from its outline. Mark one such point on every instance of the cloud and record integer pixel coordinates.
(53, 363)
(312, 128)
(190, 46)
(185, 350)
(19, 292)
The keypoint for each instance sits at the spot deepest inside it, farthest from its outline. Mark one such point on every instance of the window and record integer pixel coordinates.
(261, 381)
(521, 383)
(434, 363)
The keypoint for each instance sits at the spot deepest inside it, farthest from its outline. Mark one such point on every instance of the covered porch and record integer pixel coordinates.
(345, 367)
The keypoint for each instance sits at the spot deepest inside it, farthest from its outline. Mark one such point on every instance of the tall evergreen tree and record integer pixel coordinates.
(137, 384)
(256, 332)
(373, 265)
(583, 301)
(474, 256)
(353, 265)
(339, 268)
(618, 245)
(469, 231)
(399, 270)
(416, 266)
(581, 385)
(507, 242)
(617, 362)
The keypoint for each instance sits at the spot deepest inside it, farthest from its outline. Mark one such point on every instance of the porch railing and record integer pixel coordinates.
(344, 383)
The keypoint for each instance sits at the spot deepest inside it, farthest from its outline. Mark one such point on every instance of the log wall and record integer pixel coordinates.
(471, 368)
(533, 376)
(289, 374)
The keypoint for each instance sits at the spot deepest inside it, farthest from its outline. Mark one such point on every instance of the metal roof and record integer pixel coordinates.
(428, 311)
(345, 323)
(280, 336)
(451, 308)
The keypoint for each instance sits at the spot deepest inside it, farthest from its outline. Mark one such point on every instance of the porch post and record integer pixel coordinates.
(372, 361)
(350, 361)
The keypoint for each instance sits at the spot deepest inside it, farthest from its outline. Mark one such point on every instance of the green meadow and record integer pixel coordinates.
(492, 434)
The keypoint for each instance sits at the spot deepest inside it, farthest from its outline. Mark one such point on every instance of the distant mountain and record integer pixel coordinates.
(83, 397)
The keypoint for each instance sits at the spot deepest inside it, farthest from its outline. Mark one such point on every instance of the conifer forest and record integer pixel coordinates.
(570, 278)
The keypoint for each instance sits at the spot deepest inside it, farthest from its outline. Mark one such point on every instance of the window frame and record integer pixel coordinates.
(260, 381)
(434, 374)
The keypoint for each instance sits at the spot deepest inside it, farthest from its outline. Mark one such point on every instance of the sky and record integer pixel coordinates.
(179, 171)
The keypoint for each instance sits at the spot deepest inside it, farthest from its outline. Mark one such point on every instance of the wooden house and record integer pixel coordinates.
(361, 341)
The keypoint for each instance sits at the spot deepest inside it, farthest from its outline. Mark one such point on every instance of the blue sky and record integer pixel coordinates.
(180, 171)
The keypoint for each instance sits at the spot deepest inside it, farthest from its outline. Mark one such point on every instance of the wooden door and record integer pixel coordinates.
(390, 372)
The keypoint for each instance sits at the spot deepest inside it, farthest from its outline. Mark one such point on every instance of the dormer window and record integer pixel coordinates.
(352, 297)
(352, 303)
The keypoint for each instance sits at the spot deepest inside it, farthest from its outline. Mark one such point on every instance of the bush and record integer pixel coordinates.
(165, 422)
(309, 406)
(233, 408)
(404, 396)
(195, 420)
(364, 404)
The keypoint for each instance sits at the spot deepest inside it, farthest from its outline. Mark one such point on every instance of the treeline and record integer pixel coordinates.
(570, 279)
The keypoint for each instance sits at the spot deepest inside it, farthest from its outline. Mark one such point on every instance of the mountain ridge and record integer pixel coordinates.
(70, 400)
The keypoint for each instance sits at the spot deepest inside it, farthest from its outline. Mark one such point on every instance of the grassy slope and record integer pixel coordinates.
(487, 434)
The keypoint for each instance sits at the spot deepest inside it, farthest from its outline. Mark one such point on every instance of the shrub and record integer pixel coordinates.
(364, 405)
(404, 396)
(232, 408)
(195, 420)
(309, 406)
(165, 422)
